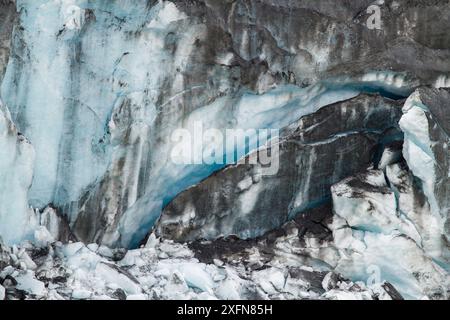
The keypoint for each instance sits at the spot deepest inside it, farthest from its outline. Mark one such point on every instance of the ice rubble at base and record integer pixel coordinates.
(163, 270)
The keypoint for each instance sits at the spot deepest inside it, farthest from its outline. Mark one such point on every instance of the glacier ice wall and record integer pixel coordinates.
(16, 153)
(376, 214)
(313, 153)
(16, 171)
(427, 137)
(93, 90)
(99, 86)
(8, 17)
(51, 92)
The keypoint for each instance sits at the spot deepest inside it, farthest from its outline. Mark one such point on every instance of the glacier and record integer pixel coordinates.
(16, 172)
(426, 148)
(112, 141)
(381, 218)
(91, 93)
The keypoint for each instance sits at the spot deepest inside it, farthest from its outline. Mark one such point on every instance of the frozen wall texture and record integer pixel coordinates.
(91, 92)
(98, 87)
